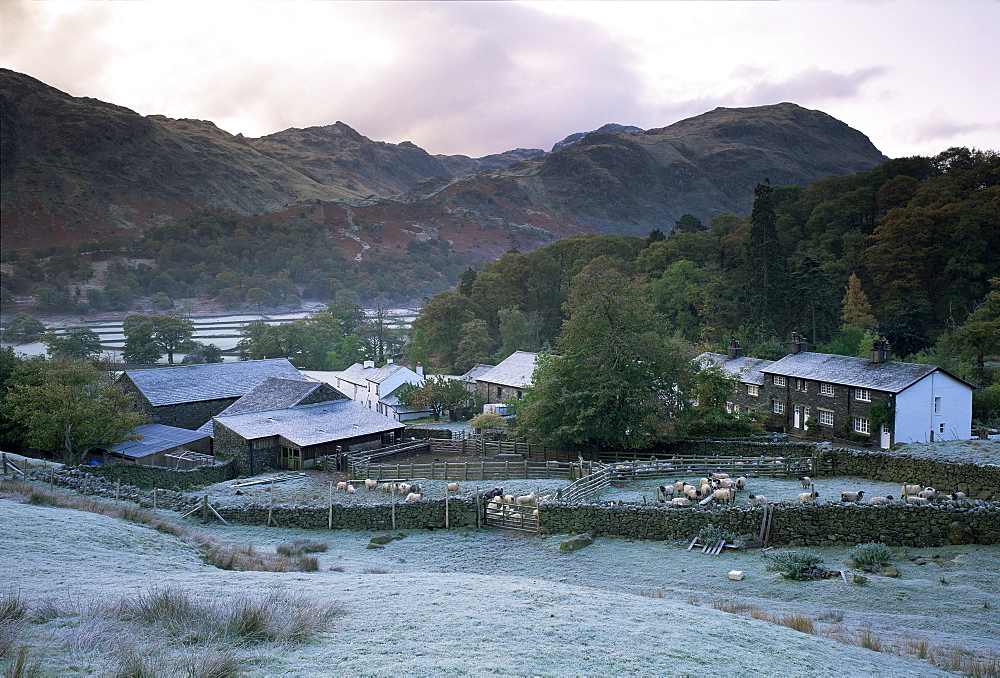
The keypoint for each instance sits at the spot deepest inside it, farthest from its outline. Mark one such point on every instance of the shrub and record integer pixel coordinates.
(873, 555)
(799, 566)
(488, 420)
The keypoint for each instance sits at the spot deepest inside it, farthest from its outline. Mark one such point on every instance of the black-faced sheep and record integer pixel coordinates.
(852, 496)
(805, 481)
(494, 493)
(880, 500)
(808, 497)
(757, 499)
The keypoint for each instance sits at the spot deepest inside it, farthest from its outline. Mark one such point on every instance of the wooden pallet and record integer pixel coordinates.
(710, 548)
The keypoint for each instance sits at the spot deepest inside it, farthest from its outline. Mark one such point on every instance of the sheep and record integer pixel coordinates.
(917, 500)
(417, 487)
(679, 486)
(342, 485)
(808, 497)
(957, 496)
(370, 484)
(493, 494)
(414, 496)
(911, 490)
(508, 499)
(757, 499)
(403, 488)
(453, 487)
(928, 493)
(805, 481)
(387, 487)
(727, 483)
(664, 492)
(719, 476)
(725, 494)
(852, 496)
(741, 483)
(527, 499)
(691, 492)
(703, 481)
(350, 489)
(706, 490)
(680, 501)
(880, 500)
(544, 497)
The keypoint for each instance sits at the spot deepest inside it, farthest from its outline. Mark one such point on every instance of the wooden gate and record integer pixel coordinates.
(512, 516)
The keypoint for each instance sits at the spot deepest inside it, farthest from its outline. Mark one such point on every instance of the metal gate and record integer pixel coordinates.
(512, 516)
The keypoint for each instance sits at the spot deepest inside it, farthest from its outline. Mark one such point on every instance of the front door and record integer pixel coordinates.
(797, 423)
(885, 437)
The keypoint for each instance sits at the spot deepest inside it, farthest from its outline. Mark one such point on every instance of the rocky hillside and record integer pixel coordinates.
(77, 168)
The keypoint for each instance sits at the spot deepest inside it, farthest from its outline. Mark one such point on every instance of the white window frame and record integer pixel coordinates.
(825, 418)
(862, 425)
(802, 385)
(825, 389)
(863, 394)
(779, 380)
(778, 406)
(941, 427)
(937, 404)
(753, 390)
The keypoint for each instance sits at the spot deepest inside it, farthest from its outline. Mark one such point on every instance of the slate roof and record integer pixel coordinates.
(747, 370)
(212, 381)
(156, 438)
(359, 374)
(514, 370)
(475, 372)
(890, 376)
(276, 393)
(312, 424)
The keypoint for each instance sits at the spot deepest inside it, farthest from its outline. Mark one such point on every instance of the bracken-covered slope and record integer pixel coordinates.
(76, 168)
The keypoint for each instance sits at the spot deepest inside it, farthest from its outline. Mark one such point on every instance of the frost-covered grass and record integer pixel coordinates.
(468, 602)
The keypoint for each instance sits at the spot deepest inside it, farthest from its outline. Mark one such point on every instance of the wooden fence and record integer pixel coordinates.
(512, 516)
(454, 470)
(683, 466)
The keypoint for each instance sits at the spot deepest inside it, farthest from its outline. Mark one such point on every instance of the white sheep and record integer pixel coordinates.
(719, 476)
(706, 489)
(350, 489)
(680, 501)
(727, 483)
(757, 499)
(726, 494)
(387, 487)
(805, 481)
(691, 492)
(880, 500)
(917, 500)
(414, 496)
(957, 496)
(527, 499)
(852, 496)
(508, 499)
(928, 493)
(679, 486)
(370, 484)
(741, 483)
(808, 497)
(913, 490)
(453, 487)
(403, 488)
(342, 486)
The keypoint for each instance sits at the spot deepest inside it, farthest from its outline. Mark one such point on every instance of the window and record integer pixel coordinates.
(937, 405)
(861, 425)
(778, 407)
(801, 385)
(863, 394)
(753, 390)
(729, 408)
(826, 389)
(779, 380)
(825, 418)
(940, 428)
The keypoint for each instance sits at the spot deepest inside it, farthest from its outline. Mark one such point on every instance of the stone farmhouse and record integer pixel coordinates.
(508, 379)
(190, 395)
(291, 423)
(878, 399)
(377, 388)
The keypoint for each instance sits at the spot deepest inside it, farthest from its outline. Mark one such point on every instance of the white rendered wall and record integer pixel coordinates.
(915, 416)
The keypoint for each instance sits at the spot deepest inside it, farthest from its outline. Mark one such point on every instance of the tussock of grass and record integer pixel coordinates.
(651, 593)
(872, 556)
(13, 606)
(300, 546)
(800, 622)
(23, 664)
(870, 641)
(214, 663)
(831, 616)
(375, 570)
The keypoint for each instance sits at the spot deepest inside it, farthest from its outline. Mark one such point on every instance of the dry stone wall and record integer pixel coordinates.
(409, 515)
(833, 524)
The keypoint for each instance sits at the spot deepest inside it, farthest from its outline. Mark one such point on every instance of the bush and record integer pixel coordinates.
(488, 420)
(799, 566)
(873, 555)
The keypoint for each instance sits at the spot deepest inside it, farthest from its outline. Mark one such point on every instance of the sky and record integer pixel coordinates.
(473, 78)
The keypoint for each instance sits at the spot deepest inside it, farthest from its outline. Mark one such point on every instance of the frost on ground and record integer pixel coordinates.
(488, 602)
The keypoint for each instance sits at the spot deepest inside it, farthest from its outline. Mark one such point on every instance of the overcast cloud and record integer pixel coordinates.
(916, 76)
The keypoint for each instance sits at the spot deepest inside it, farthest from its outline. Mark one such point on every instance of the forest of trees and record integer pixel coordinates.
(240, 261)
(905, 252)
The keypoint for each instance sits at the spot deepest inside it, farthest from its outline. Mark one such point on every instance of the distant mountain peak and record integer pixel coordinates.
(609, 128)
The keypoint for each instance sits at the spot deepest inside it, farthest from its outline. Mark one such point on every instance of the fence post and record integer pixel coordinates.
(447, 495)
(204, 509)
(394, 506)
(329, 519)
(156, 491)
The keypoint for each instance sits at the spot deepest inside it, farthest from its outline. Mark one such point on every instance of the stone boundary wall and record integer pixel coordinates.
(148, 477)
(409, 515)
(977, 481)
(835, 524)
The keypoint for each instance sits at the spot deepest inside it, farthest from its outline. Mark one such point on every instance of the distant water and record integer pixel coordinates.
(223, 330)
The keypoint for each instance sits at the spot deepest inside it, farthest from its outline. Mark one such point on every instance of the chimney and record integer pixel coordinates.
(798, 344)
(735, 350)
(389, 361)
(369, 364)
(420, 369)
(880, 351)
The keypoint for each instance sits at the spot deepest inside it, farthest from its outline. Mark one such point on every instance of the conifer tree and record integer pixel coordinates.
(857, 309)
